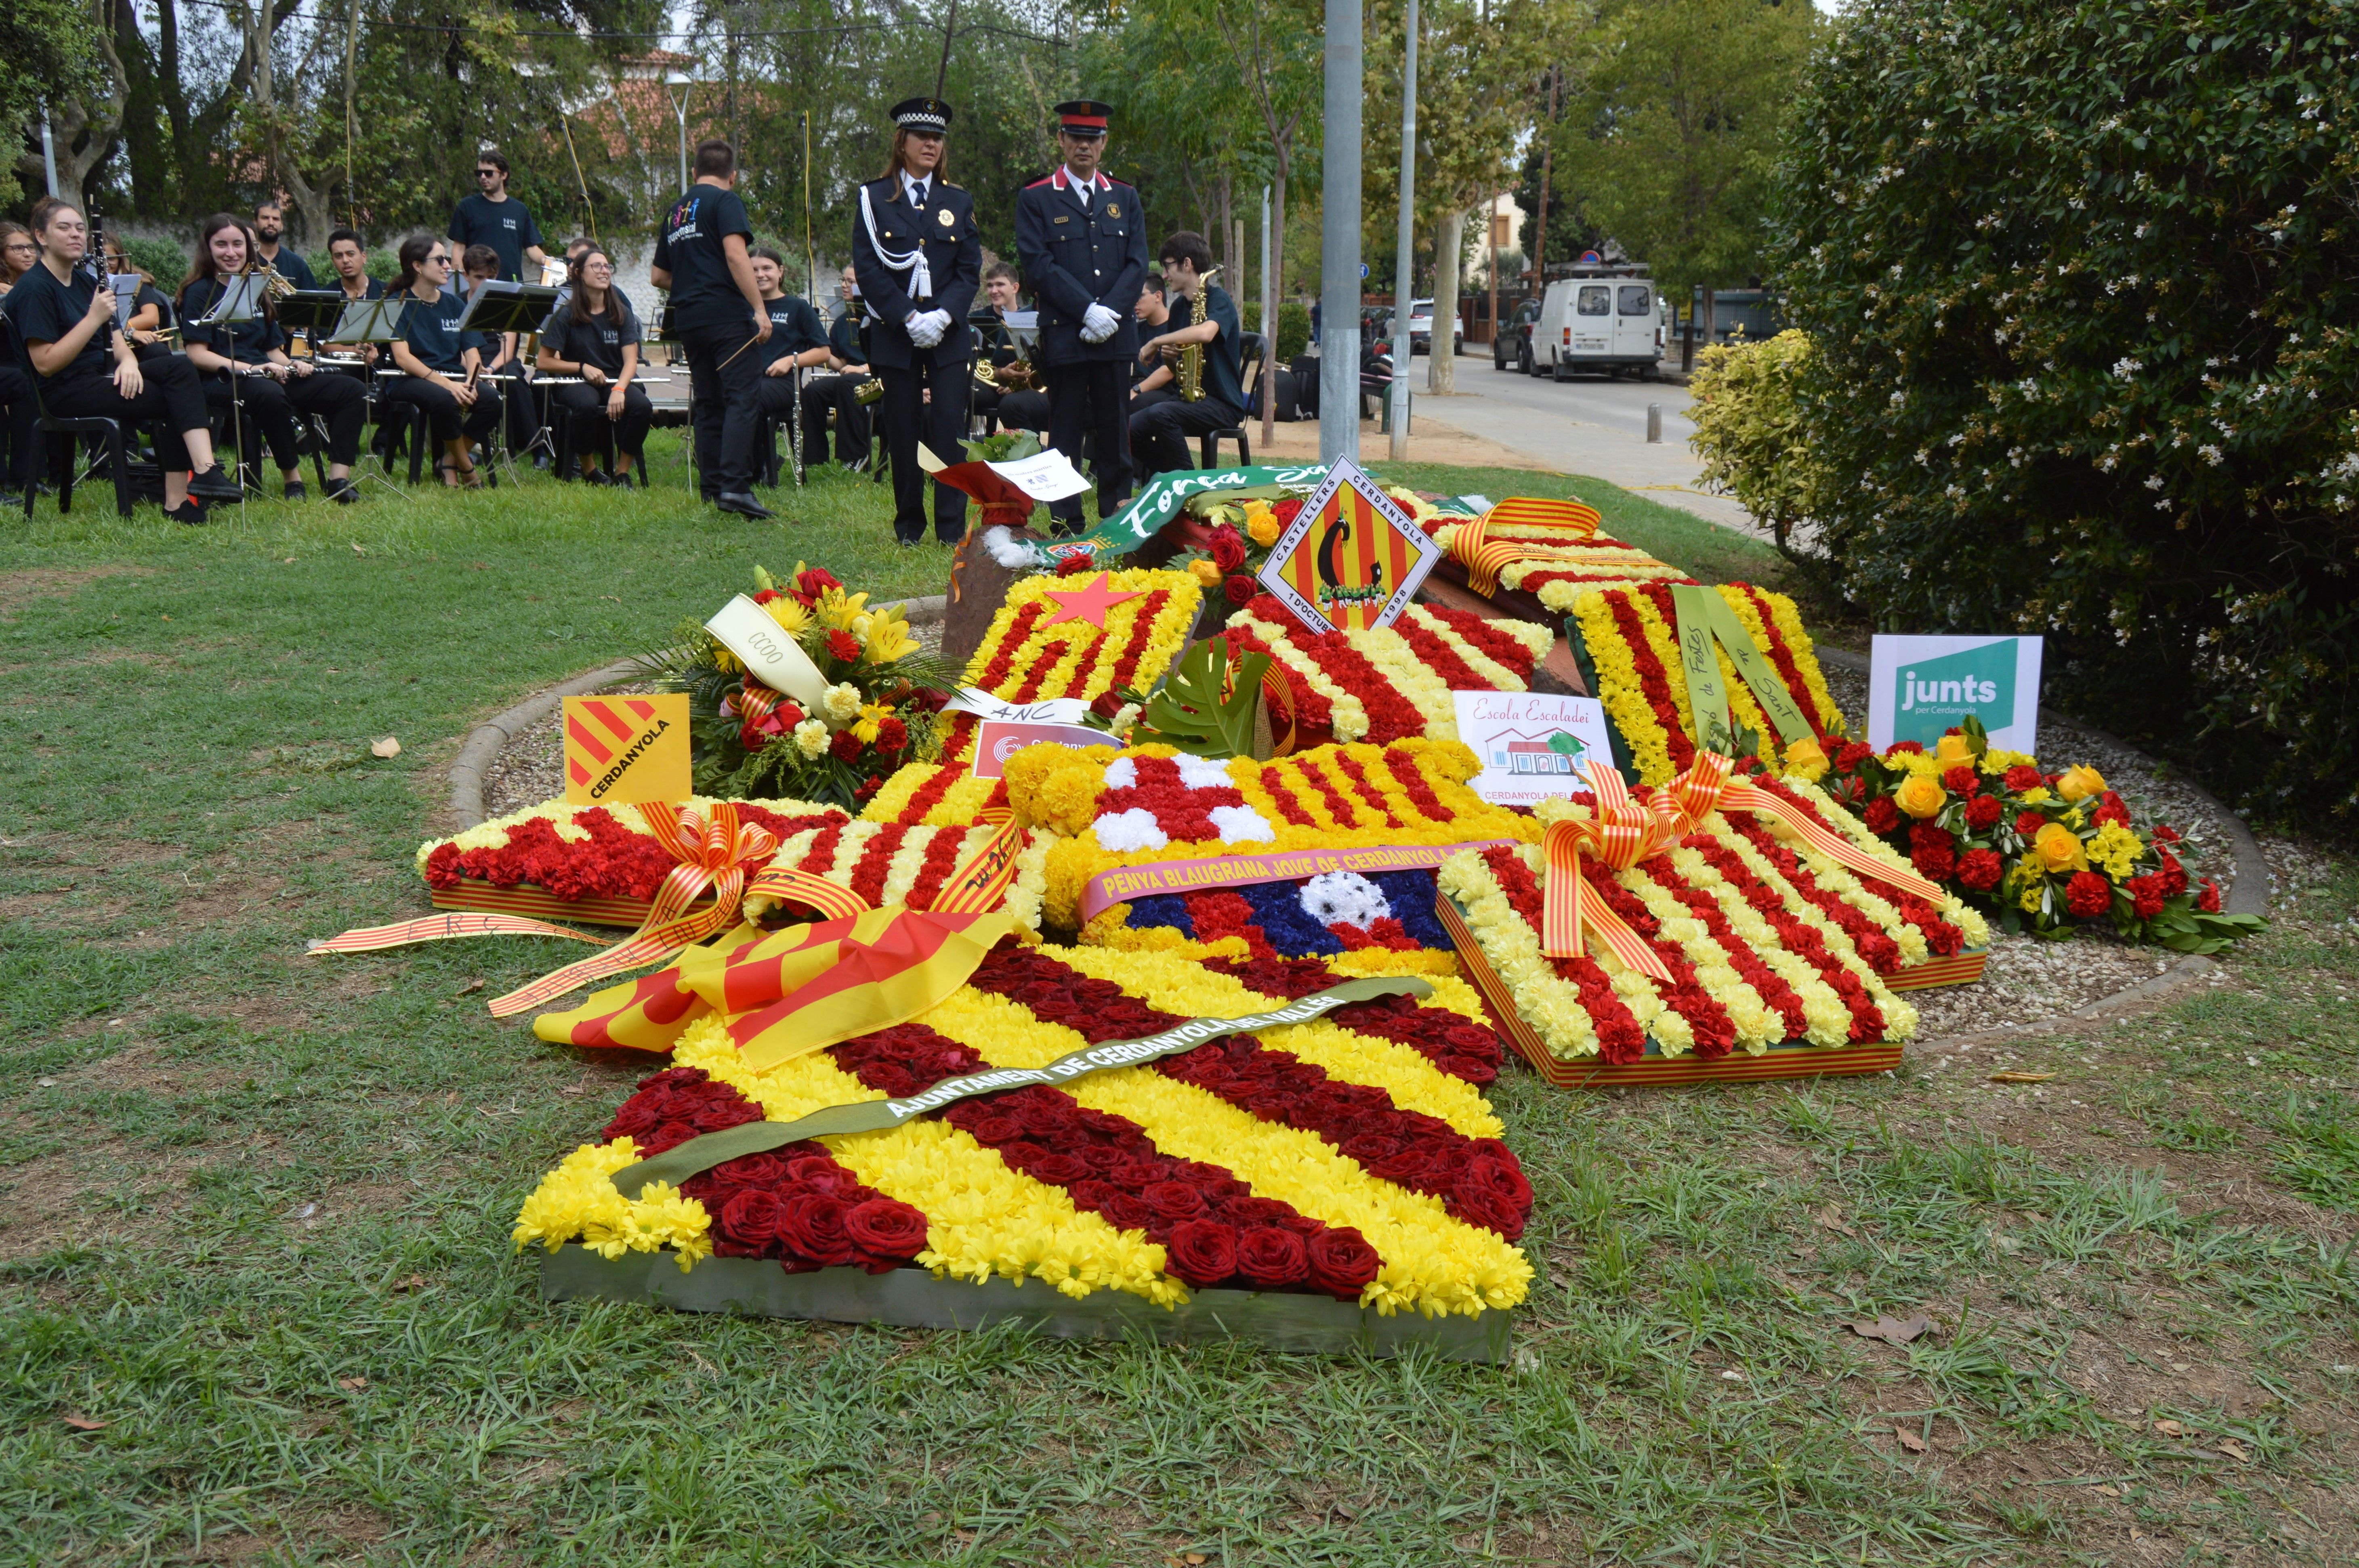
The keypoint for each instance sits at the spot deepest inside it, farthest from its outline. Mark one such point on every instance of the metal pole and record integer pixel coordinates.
(1404, 249)
(1338, 240)
(48, 151)
(1654, 422)
(682, 107)
(1268, 327)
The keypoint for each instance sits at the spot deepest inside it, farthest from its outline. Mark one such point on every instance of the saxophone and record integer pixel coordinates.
(1188, 377)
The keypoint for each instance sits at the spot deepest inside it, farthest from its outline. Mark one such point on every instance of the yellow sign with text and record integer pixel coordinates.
(621, 751)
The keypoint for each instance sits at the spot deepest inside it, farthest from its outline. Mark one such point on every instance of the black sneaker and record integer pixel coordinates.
(214, 484)
(188, 512)
(297, 492)
(743, 505)
(343, 492)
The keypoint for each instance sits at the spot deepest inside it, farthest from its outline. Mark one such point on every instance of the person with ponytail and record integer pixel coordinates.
(440, 360)
(87, 369)
(245, 365)
(592, 334)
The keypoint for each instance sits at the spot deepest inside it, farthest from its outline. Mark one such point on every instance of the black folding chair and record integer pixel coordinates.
(64, 433)
(1208, 446)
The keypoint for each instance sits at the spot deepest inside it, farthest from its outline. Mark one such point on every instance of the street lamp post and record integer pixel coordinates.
(1339, 247)
(686, 85)
(1405, 253)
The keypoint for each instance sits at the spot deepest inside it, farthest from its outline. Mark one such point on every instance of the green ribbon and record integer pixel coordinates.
(1703, 618)
(700, 1154)
(1164, 496)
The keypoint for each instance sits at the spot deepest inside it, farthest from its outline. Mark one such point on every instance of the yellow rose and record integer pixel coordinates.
(1806, 759)
(2058, 848)
(1921, 795)
(1261, 527)
(2080, 783)
(1953, 751)
(1206, 572)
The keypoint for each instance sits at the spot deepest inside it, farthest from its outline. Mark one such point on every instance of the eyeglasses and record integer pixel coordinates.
(22, 244)
(487, 174)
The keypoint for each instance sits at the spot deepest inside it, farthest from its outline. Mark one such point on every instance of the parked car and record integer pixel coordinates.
(1421, 330)
(1512, 349)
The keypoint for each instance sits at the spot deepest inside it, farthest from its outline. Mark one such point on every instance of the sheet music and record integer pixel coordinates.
(241, 301)
(126, 295)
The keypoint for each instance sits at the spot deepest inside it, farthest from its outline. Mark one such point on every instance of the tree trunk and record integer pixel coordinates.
(1442, 366)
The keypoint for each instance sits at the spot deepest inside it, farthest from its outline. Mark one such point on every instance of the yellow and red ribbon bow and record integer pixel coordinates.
(1619, 834)
(1706, 788)
(1484, 557)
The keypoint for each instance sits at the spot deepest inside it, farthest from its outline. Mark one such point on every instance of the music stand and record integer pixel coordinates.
(241, 301)
(501, 305)
(378, 321)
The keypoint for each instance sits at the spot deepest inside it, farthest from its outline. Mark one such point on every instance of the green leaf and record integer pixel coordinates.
(1195, 710)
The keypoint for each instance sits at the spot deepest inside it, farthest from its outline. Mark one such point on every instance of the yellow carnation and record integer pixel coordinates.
(2080, 783)
(2058, 848)
(1921, 795)
(1068, 800)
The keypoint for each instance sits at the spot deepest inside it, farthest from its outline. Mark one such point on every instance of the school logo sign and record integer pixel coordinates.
(1922, 687)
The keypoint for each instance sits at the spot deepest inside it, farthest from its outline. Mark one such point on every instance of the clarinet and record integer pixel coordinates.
(94, 258)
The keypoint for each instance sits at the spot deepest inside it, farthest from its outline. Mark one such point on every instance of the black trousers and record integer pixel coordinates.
(169, 399)
(721, 406)
(279, 411)
(822, 393)
(449, 418)
(1024, 410)
(1159, 436)
(943, 421)
(585, 407)
(16, 399)
(1089, 401)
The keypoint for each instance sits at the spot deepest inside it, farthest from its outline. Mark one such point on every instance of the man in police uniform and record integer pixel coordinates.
(1082, 238)
(918, 257)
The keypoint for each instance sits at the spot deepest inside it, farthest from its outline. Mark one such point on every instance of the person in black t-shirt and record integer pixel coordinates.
(269, 225)
(702, 255)
(87, 370)
(847, 358)
(798, 341)
(1014, 397)
(592, 334)
(1159, 435)
(246, 367)
(441, 361)
(151, 313)
(493, 217)
(19, 253)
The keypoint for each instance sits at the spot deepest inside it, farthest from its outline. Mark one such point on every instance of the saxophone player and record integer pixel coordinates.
(1082, 238)
(1159, 435)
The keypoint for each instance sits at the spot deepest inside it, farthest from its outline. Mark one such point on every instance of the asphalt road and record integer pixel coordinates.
(1589, 425)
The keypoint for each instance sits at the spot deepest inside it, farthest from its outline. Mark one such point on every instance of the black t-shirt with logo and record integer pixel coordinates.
(600, 340)
(432, 328)
(248, 342)
(795, 328)
(505, 226)
(45, 310)
(704, 294)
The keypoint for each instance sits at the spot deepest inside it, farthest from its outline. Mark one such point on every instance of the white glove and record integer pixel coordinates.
(926, 328)
(1098, 323)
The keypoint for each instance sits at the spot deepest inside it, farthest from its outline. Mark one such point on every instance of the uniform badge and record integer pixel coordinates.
(1114, 210)
(948, 217)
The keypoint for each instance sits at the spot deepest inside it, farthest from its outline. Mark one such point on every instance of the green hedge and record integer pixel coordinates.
(2082, 282)
(1293, 326)
(164, 261)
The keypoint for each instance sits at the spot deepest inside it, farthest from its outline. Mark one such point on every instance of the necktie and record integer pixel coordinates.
(917, 195)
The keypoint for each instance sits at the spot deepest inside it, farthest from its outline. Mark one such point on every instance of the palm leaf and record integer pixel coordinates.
(1198, 709)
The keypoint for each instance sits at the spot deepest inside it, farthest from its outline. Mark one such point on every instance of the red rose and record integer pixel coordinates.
(1487, 1209)
(1341, 1262)
(845, 746)
(892, 735)
(2029, 823)
(1240, 589)
(1075, 564)
(2021, 777)
(883, 1227)
(1271, 1259)
(1172, 1201)
(2088, 895)
(812, 583)
(1983, 812)
(1285, 511)
(2209, 899)
(1228, 548)
(843, 645)
(811, 1224)
(748, 1225)
(1980, 869)
(1203, 1252)
(1961, 780)
(1881, 816)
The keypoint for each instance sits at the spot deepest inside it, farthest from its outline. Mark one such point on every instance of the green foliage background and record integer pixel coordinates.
(2082, 288)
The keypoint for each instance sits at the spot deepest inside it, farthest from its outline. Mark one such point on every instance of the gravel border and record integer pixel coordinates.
(2248, 890)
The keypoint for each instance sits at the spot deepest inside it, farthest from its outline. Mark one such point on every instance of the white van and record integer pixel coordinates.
(1610, 322)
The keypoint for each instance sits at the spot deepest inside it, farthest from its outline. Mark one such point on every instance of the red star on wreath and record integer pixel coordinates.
(1089, 603)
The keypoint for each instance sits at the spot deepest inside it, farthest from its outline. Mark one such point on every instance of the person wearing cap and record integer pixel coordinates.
(1082, 238)
(919, 258)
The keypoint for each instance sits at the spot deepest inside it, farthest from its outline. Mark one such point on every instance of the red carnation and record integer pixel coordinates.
(1341, 1262)
(1899, 747)
(811, 1224)
(2021, 777)
(2209, 899)
(1240, 589)
(2174, 875)
(1228, 548)
(2165, 833)
(883, 1227)
(1961, 780)
(1849, 755)
(2146, 894)
(1983, 812)
(868, 787)
(766, 594)
(2088, 895)
(2112, 809)
(1271, 1259)
(845, 746)
(1203, 1252)
(1881, 816)
(1934, 861)
(892, 735)
(2029, 823)
(1075, 564)
(1980, 869)
(843, 645)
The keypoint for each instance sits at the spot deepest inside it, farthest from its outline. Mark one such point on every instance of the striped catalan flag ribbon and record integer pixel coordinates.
(1707, 787)
(1621, 832)
(1484, 557)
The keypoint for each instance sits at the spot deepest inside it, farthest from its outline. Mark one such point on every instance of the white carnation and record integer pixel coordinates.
(1121, 773)
(1133, 829)
(1203, 773)
(812, 735)
(842, 702)
(1241, 824)
(1344, 899)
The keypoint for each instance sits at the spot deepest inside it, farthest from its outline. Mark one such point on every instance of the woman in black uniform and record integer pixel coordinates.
(439, 359)
(594, 335)
(246, 365)
(19, 253)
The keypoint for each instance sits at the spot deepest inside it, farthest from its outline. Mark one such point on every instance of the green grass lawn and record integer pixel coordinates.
(253, 1206)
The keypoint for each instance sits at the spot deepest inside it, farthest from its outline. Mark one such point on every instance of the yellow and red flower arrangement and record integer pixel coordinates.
(1332, 1158)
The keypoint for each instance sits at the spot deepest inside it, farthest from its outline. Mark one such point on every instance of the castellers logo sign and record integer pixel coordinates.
(1350, 557)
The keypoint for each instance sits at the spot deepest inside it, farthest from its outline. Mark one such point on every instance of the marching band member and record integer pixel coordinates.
(1082, 240)
(1150, 385)
(847, 357)
(19, 253)
(269, 223)
(702, 256)
(493, 217)
(440, 362)
(87, 369)
(592, 334)
(918, 256)
(1159, 435)
(349, 257)
(1012, 398)
(797, 339)
(277, 392)
(151, 313)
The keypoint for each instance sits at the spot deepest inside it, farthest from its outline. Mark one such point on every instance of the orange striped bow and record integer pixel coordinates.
(1484, 557)
(1706, 788)
(1619, 834)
